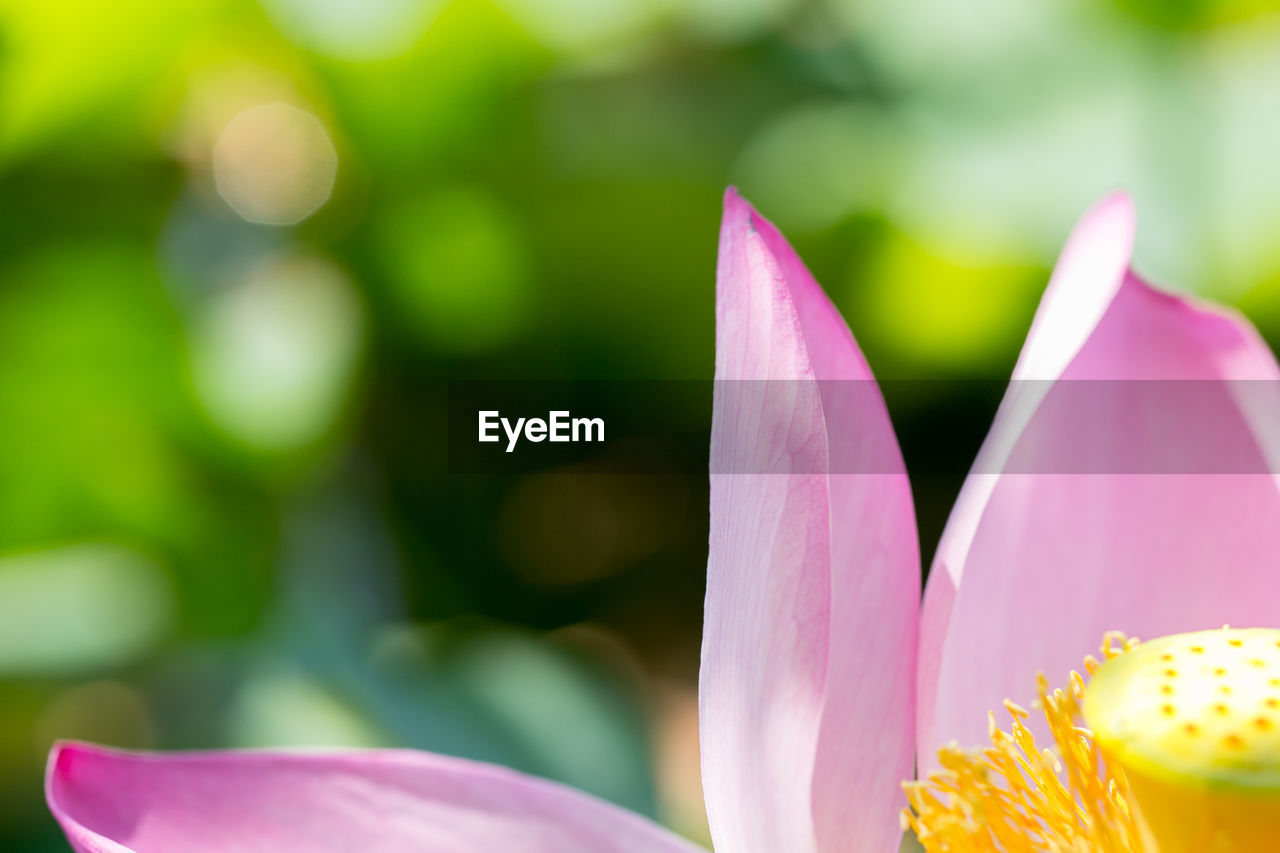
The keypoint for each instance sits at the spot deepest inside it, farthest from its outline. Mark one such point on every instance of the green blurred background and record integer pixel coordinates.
(243, 244)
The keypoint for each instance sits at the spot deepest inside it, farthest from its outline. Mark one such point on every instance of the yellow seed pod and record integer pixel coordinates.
(1194, 721)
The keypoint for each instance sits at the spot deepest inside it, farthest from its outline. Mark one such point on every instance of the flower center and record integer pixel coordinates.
(1194, 721)
(1180, 751)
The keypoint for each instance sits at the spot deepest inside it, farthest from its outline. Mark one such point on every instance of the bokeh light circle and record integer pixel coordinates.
(275, 164)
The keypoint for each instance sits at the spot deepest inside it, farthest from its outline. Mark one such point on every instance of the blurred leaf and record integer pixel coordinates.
(940, 315)
(817, 164)
(458, 271)
(279, 708)
(603, 28)
(79, 608)
(100, 711)
(453, 91)
(1241, 69)
(929, 42)
(735, 19)
(63, 64)
(97, 428)
(275, 354)
(88, 394)
(1171, 14)
(625, 265)
(354, 29)
(577, 727)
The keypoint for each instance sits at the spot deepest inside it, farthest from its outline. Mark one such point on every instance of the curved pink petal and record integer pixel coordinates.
(1174, 523)
(327, 802)
(813, 579)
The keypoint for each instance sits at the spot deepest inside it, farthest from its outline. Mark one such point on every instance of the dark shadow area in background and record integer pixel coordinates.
(567, 557)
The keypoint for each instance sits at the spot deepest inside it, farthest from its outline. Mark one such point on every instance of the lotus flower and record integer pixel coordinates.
(822, 676)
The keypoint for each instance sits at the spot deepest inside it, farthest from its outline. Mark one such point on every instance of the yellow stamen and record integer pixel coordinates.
(1015, 796)
(1181, 753)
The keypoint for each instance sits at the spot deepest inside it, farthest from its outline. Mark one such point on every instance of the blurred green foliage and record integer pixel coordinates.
(223, 514)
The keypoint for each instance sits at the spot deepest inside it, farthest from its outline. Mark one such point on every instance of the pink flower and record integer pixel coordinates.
(822, 677)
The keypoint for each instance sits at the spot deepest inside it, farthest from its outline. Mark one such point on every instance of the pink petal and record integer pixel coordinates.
(813, 578)
(1038, 562)
(336, 802)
